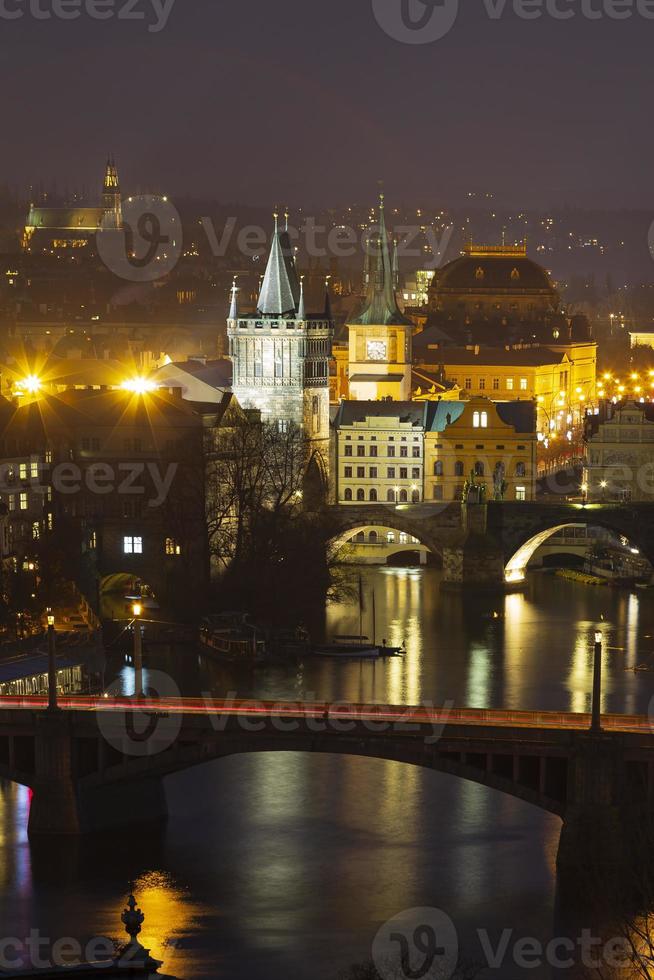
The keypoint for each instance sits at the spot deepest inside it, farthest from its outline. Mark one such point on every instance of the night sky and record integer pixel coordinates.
(311, 103)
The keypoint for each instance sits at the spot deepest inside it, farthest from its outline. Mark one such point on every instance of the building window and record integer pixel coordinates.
(348, 494)
(36, 531)
(520, 493)
(468, 384)
(12, 501)
(348, 472)
(523, 384)
(391, 451)
(373, 496)
(404, 497)
(361, 472)
(93, 541)
(348, 450)
(521, 470)
(34, 469)
(23, 501)
(404, 473)
(415, 473)
(172, 547)
(279, 365)
(415, 496)
(509, 384)
(390, 473)
(361, 495)
(22, 471)
(132, 545)
(496, 384)
(480, 469)
(258, 364)
(48, 455)
(390, 496)
(416, 452)
(373, 452)
(390, 537)
(373, 472)
(373, 537)
(438, 493)
(439, 468)
(480, 420)
(361, 450)
(458, 469)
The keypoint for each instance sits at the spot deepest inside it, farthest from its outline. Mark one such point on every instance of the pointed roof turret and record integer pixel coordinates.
(233, 309)
(381, 303)
(328, 301)
(280, 291)
(301, 310)
(396, 266)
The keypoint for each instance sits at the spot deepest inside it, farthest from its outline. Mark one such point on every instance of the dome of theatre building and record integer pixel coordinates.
(492, 282)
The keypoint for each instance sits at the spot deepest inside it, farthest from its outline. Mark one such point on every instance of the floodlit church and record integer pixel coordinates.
(281, 353)
(74, 228)
(380, 338)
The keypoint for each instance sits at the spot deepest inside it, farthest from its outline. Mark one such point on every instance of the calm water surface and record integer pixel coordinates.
(284, 866)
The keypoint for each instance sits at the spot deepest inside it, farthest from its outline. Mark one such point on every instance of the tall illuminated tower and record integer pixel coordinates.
(111, 197)
(381, 336)
(281, 354)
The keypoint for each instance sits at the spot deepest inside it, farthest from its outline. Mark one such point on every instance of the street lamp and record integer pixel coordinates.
(137, 611)
(596, 725)
(52, 666)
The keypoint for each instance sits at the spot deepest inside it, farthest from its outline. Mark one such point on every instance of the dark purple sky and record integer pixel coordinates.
(309, 102)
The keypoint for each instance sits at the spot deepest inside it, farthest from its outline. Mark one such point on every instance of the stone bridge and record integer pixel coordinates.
(100, 764)
(490, 545)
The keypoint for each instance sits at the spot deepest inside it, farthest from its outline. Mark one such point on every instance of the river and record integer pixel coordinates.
(285, 866)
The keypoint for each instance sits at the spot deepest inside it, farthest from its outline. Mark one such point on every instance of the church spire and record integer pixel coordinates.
(381, 303)
(301, 310)
(328, 301)
(233, 309)
(111, 201)
(280, 291)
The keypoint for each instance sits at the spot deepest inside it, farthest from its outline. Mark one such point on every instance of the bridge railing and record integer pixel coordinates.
(365, 713)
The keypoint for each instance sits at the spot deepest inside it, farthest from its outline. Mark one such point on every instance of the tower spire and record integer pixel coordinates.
(280, 291)
(381, 302)
(301, 311)
(233, 309)
(328, 301)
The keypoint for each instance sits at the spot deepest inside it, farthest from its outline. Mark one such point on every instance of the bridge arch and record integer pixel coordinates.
(516, 568)
(523, 785)
(393, 536)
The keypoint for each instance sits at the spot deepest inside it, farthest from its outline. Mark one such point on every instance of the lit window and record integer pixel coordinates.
(520, 493)
(172, 547)
(390, 537)
(23, 501)
(93, 541)
(132, 546)
(509, 384)
(34, 469)
(22, 471)
(523, 384)
(36, 530)
(12, 501)
(48, 455)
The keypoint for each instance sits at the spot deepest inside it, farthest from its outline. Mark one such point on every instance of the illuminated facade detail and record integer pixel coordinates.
(281, 354)
(380, 338)
(619, 453)
(73, 228)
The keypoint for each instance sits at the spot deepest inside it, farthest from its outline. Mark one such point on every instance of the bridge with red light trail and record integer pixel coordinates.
(99, 763)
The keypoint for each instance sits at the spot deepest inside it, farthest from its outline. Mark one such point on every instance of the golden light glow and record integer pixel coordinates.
(137, 609)
(139, 385)
(29, 385)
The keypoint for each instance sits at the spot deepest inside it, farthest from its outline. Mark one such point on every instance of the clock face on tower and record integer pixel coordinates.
(376, 350)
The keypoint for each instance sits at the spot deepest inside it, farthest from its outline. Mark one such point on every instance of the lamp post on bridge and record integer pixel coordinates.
(137, 610)
(596, 725)
(52, 666)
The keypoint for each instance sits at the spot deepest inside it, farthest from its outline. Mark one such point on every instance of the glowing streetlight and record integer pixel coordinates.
(29, 385)
(52, 666)
(139, 385)
(137, 611)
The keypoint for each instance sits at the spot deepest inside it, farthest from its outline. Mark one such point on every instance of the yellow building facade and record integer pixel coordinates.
(495, 441)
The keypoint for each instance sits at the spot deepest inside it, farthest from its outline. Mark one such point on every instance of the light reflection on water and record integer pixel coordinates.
(280, 865)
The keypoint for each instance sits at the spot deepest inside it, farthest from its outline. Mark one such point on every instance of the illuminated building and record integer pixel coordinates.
(620, 453)
(71, 228)
(561, 379)
(280, 353)
(494, 440)
(492, 281)
(380, 452)
(380, 350)
(413, 452)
